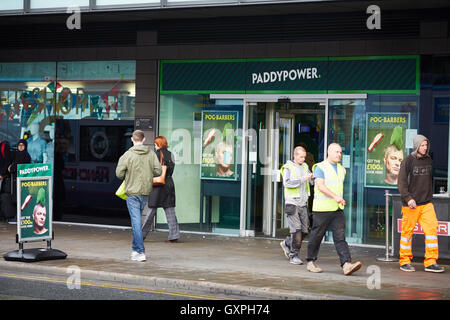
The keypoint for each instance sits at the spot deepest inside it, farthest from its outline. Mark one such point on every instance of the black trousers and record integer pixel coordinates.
(322, 221)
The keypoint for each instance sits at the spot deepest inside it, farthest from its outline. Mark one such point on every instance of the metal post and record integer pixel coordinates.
(386, 231)
(393, 223)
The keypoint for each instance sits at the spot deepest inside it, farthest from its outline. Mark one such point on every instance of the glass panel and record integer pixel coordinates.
(11, 5)
(369, 131)
(203, 136)
(125, 2)
(300, 124)
(64, 121)
(434, 125)
(398, 113)
(198, 1)
(257, 151)
(25, 105)
(40, 4)
(346, 126)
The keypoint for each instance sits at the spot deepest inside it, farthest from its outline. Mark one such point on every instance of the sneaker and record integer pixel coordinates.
(349, 267)
(285, 249)
(140, 257)
(134, 254)
(311, 266)
(434, 268)
(407, 267)
(295, 260)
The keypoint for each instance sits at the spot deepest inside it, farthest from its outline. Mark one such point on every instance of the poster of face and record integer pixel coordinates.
(34, 202)
(218, 160)
(385, 147)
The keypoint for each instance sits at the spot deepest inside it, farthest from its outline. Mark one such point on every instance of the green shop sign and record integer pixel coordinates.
(392, 74)
(34, 170)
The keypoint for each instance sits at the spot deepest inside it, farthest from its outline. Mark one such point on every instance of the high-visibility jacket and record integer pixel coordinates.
(294, 192)
(334, 182)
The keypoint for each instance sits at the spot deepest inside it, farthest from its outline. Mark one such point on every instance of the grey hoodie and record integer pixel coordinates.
(289, 182)
(415, 180)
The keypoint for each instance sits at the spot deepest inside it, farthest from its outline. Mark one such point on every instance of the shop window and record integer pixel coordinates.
(125, 2)
(44, 4)
(79, 121)
(11, 5)
(204, 137)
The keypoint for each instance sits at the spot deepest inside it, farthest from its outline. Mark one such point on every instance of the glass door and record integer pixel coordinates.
(298, 124)
(283, 148)
(257, 143)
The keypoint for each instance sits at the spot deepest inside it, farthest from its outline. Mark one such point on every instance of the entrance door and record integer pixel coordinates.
(274, 130)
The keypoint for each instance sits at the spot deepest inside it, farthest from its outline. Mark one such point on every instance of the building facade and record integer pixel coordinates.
(234, 86)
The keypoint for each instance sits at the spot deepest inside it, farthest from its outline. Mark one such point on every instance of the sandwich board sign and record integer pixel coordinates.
(34, 213)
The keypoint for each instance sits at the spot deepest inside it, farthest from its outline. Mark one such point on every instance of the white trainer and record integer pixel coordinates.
(134, 254)
(140, 257)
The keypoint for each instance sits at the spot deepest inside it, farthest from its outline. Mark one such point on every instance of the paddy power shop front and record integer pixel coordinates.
(232, 124)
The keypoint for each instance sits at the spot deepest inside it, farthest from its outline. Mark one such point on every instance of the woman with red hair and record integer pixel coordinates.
(163, 196)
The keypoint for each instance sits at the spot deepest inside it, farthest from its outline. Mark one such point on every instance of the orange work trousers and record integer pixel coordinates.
(426, 216)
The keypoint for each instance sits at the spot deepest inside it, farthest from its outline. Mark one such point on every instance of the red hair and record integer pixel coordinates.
(161, 142)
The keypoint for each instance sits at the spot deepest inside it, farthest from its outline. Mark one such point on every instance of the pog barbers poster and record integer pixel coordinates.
(34, 202)
(218, 145)
(385, 148)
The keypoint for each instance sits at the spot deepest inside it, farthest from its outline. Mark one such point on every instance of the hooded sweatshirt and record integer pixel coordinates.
(290, 182)
(137, 167)
(415, 180)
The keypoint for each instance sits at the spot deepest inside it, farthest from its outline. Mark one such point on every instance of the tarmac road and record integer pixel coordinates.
(25, 286)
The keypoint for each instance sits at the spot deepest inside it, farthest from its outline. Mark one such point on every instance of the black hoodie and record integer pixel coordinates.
(415, 180)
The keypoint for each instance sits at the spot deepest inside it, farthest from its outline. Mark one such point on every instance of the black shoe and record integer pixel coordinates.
(407, 268)
(434, 268)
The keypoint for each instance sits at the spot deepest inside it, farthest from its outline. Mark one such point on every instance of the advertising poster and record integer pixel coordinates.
(34, 205)
(385, 148)
(218, 159)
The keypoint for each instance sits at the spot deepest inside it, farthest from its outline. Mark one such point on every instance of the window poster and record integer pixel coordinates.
(218, 159)
(385, 147)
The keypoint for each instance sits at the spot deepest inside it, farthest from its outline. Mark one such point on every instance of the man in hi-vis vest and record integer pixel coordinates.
(296, 179)
(328, 210)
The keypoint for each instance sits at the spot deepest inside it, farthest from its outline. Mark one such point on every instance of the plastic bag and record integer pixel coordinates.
(121, 191)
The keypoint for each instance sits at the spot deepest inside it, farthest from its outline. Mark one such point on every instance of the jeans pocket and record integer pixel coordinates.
(289, 209)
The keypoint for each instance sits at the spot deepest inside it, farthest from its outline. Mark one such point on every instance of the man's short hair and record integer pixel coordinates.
(298, 149)
(138, 135)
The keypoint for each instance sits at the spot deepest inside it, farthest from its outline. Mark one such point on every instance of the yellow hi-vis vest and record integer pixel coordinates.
(334, 182)
(294, 192)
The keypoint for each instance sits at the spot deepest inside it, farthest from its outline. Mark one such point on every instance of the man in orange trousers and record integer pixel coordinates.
(416, 189)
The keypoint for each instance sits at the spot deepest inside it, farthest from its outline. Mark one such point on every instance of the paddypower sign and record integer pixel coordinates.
(393, 74)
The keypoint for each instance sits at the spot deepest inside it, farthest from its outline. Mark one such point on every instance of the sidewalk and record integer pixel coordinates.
(253, 267)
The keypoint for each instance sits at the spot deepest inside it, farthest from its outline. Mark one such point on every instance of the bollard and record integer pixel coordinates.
(387, 258)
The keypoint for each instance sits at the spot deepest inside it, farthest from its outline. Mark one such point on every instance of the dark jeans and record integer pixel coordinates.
(335, 221)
